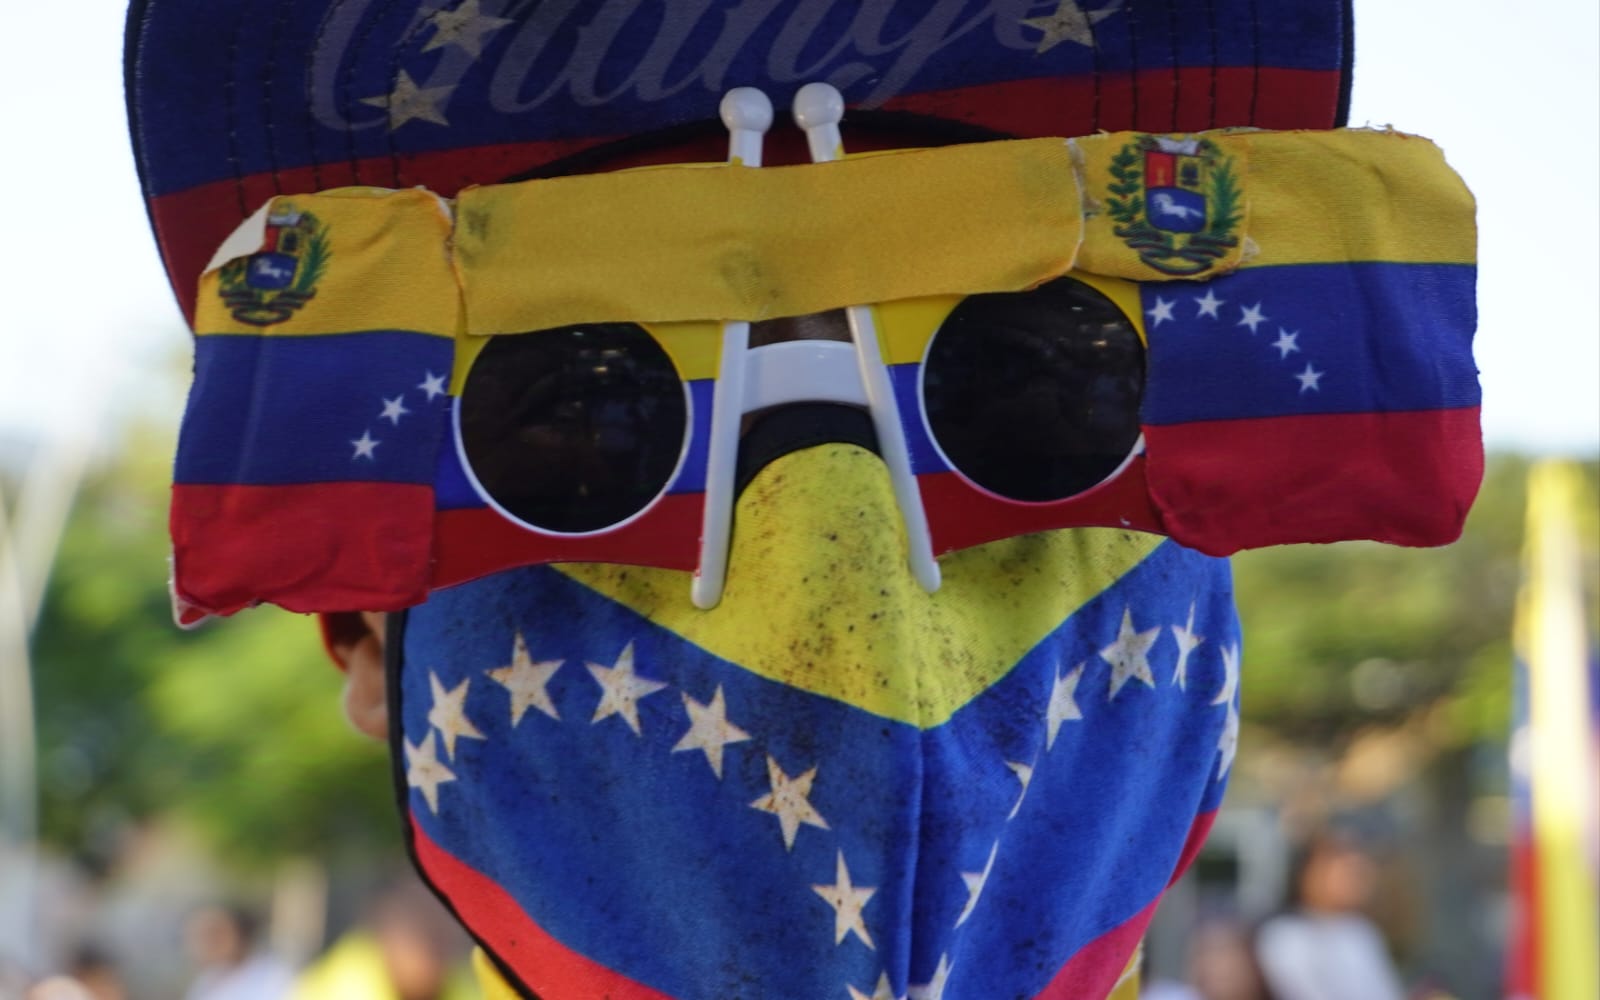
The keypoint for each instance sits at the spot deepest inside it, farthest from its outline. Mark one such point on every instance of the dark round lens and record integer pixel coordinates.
(1035, 395)
(573, 429)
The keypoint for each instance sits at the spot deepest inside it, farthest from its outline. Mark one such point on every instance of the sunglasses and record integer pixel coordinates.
(1088, 398)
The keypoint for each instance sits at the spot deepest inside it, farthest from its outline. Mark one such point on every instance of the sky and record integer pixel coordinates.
(89, 332)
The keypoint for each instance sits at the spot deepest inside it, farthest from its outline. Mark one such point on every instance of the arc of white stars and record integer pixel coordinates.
(934, 988)
(975, 882)
(1063, 705)
(1069, 23)
(1187, 643)
(789, 800)
(709, 730)
(1287, 343)
(1129, 655)
(847, 902)
(1024, 775)
(394, 409)
(432, 384)
(527, 681)
(1161, 312)
(1310, 379)
(425, 772)
(366, 447)
(1252, 317)
(1209, 304)
(408, 102)
(621, 690)
(883, 991)
(465, 27)
(449, 714)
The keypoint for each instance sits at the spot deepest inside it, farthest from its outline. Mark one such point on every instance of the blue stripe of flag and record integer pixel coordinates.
(291, 410)
(635, 855)
(1327, 338)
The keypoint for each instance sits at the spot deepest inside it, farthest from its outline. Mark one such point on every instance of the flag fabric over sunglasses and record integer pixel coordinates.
(326, 311)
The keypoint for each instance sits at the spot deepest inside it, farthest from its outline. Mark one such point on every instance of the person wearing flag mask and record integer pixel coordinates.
(723, 659)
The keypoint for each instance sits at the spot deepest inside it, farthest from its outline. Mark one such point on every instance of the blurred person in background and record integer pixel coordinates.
(407, 948)
(91, 975)
(222, 944)
(1326, 947)
(1221, 966)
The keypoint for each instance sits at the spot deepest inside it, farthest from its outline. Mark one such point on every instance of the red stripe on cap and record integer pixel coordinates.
(476, 541)
(961, 515)
(1402, 478)
(1097, 966)
(318, 547)
(542, 963)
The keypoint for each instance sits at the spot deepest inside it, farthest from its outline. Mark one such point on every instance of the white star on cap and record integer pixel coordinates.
(1024, 775)
(465, 28)
(408, 102)
(432, 384)
(1230, 676)
(975, 882)
(394, 409)
(424, 771)
(709, 730)
(789, 801)
(847, 902)
(1187, 642)
(527, 680)
(622, 689)
(934, 988)
(1310, 379)
(1063, 705)
(882, 992)
(1161, 312)
(1129, 655)
(1252, 317)
(365, 446)
(1287, 343)
(1070, 23)
(449, 714)
(1209, 304)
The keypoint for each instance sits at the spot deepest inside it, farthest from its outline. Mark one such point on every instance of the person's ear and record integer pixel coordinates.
(355, 642)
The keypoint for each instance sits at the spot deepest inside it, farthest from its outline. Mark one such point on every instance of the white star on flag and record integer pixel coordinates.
(1209, 304)
(934, 988)
(789, 800)
(883, 991)
(365, 447)
(527, 681)
(408, 102)
(1187, 642)
(432, 384)
(425, 772)
(1230, 676)
(1129, 655)
(709, 730)
(394, 409)
(1161, 312)
(621, 689)
(1287, 343)
(1070, 23)
(465, 28)
(1310, 379)
(847, 902)
(1228, 742)
(1252, 317)
(1063, 705)
(449, 714)
(1024, 775)
(975, 882)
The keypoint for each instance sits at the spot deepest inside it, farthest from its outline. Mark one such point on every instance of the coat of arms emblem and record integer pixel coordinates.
(1176, 202)
(270, 285)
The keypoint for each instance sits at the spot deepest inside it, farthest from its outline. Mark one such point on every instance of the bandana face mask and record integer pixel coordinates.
(1218, 356)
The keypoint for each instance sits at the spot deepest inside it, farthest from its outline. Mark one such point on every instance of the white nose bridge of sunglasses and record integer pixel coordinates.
(799, 370)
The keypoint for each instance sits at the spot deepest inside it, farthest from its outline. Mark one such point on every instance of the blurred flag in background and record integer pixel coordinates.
(1555, 756)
